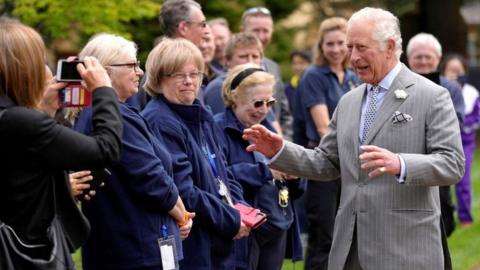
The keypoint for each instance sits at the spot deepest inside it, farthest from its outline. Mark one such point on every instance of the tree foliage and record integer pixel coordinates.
(58, 18)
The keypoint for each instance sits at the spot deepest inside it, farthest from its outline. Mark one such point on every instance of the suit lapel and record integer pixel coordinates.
(390, 103)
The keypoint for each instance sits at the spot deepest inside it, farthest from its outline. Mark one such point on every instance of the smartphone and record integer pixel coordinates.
(67, 71)
(99, 176)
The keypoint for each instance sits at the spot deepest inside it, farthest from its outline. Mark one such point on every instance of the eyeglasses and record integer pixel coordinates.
(257, 10)
(181, 77)
(259, 103)
(203, 24)
(133, 65)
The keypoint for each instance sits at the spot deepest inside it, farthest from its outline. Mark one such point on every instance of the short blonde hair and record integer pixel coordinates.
(107, 48)
(256, 78)
(327, 26)
(169, 56)
(22, 63)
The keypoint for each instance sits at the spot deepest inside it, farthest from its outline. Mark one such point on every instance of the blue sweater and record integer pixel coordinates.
(253, 173)
(128, 213)
(186, 129)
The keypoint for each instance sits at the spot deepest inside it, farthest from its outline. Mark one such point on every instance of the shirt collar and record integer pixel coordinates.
(387, 81)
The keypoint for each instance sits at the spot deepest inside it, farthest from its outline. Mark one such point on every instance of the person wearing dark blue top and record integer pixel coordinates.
(319, 90)
(248, 93)
(139, 204)
(200, 171)
(242, 48)
(424, 52)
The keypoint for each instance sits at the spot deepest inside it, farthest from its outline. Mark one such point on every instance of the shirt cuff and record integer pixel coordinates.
(277, 154)
(403, 170)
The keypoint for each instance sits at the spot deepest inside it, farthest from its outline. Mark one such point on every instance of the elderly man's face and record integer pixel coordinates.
(423, 59)
(195, 26)
(370, 61)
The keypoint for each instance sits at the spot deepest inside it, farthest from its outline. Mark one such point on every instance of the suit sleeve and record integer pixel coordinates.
(444, 162)
(321, 163)
(61, 147)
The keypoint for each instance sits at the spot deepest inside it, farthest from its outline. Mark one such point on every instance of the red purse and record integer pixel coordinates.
(251, 217)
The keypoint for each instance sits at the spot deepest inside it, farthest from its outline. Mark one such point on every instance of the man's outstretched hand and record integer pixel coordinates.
(262, 140)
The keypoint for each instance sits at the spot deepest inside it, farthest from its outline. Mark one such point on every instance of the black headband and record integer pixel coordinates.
(241, 76)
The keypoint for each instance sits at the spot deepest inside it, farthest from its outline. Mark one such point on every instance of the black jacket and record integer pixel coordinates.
(36, 152)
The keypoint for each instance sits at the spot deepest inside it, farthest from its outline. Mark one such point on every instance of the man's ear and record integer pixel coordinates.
(182, 28)
(391, 47)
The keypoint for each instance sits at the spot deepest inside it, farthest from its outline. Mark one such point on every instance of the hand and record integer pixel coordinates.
(49, 103)
(185, 229)
(262, 140)
(78, 183)
(244, 231)
(93, 74)
(282, 176)
(380, 160)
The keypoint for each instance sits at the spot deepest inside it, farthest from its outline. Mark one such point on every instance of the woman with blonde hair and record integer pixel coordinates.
(248, 96)
(319, 90)
(174, 74)
(35, 201)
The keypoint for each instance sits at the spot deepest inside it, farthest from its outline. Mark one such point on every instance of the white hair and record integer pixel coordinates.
(424, 39)
(107, 48)
(386, 26)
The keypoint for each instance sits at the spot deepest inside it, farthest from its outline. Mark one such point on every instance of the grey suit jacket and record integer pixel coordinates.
(397, 224)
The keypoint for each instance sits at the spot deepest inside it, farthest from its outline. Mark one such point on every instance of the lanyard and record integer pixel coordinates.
(222, 188)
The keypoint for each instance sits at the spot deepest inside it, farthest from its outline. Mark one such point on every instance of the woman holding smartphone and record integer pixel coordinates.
(36, 151)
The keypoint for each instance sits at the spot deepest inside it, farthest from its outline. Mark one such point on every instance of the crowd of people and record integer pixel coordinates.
(356, 150)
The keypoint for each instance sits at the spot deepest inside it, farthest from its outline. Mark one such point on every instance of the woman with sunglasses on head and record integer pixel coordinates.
(248, 96)
(36, 151)
(174, 74)
(139, 204)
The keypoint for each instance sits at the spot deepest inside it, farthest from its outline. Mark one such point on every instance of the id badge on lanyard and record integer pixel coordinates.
(222, 187)
(168, 250)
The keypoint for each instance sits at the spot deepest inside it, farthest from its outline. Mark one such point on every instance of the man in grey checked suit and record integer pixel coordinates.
(389, 212)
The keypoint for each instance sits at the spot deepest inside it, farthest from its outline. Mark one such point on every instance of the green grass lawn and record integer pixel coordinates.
(464, 244)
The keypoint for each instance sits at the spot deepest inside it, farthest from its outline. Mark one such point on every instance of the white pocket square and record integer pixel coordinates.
(399, 117)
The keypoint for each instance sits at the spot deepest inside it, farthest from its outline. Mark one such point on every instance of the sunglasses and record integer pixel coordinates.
(259, 103)
(257, 10)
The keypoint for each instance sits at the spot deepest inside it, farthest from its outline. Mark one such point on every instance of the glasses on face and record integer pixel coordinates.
(181, 77)
(132, 65)
(259, 103)
(257, 10)
(203, 24)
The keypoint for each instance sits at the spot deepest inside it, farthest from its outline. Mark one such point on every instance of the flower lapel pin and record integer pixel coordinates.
(399, 117)
(400, 94)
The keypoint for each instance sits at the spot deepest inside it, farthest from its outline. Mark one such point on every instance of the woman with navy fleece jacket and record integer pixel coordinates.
(173, 77)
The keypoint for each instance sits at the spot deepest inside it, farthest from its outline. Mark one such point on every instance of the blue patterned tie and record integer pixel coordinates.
(369, 117)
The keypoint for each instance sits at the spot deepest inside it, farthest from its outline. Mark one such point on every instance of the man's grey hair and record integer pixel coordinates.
(424, 39)
(386, 26)
(173, 12)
